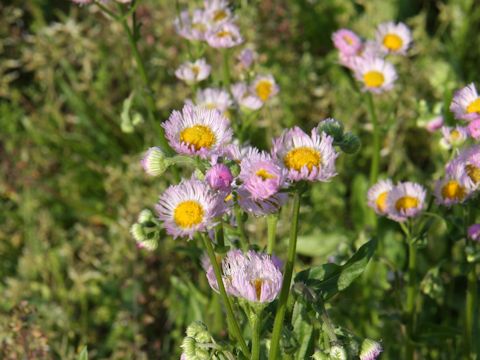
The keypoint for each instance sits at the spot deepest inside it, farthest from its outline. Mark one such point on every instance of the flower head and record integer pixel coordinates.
(246, 58)
(467, 163)
(213, 98)
(193, 72)
(347, 42)
(305, 157)
(434, 124)
(453, 137)
(466, 104)
(219, 177)
(453, 189)
(197, 131)
(189, 207)
(252, 276)
(264, 87)
(378, 196)
(192, 27)
(225, 35)
(261, 176)
(217, 12)
(405, 200)
(394, 38)
(474, 232)
(244, 98)
(376, 74)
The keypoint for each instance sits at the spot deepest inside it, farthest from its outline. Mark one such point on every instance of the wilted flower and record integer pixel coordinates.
(261, 176)
(305, 157)
(193, 72)
(453, 137)
(378, 196)
(393, 38)
(154, 162)
(466, 104)
(252, 276)
(225, 35)
(347, 42)
(370, 350)
(264, 87)
(219, 177)
(405, 200)
(197, 131)
(189, 207)
(245, 98)
(376, 74)
(474, 232)
(212, 98)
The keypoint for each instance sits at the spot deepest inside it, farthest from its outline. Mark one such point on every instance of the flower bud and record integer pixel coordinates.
(474, 232)
(319, 355)
(137, 232)
(332, 127)
(154, 162)
(219, 177)
(145, 215)
(350, 143)
(337, 352)
(370, 350)
(199, 332)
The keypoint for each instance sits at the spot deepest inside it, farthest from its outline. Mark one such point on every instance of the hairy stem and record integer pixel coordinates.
(411, 297)
(255, 323)
(471, 312)
(241, 227)
(374, 166)
(272, 220)
(287, 278)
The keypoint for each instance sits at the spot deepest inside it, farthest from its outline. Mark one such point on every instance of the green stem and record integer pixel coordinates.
(255, 323)
(223, 293)
(287, 278)
(411, 297)
(471, 312)
(146, 82)
(219, 235)
(374, 166)
(226, 69)
(241, 227)
(271, 232)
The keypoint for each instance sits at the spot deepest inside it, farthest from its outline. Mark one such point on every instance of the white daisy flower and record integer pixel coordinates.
(466, 104)
(378, 196)
(394, 38)
(376, 74)
(193, 72)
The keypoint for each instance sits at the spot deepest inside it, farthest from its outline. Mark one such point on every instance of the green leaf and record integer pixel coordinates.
(83, 355)
(319, 244)
(328, 279)
(303, 330)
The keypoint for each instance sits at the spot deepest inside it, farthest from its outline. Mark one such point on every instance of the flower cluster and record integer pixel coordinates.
(252, 276)
(398, 202)
(367, 58)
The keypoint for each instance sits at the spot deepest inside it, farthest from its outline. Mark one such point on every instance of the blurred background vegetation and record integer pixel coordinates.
(71, 184)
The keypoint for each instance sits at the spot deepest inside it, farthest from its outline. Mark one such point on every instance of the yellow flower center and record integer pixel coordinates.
(392, 42)
(200, 27)
(264, 89)
(297, 158)
(198, 136)
(348, 39)
(257, 284)
(264, 174)
(474, 106)
(228, 197)
(219, 15)
(210, 106)
(452, 190)
(373, 79)
(473, 172)
(223, 33)
(381, 202)
(455, 135)
(187, 214)
(195, 70)
(406, 202)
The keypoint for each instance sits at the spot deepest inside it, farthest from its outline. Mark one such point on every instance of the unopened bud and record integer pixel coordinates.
(337, 352)
(332, 127)
(370, 350)
(350, 143)
(155, 162)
